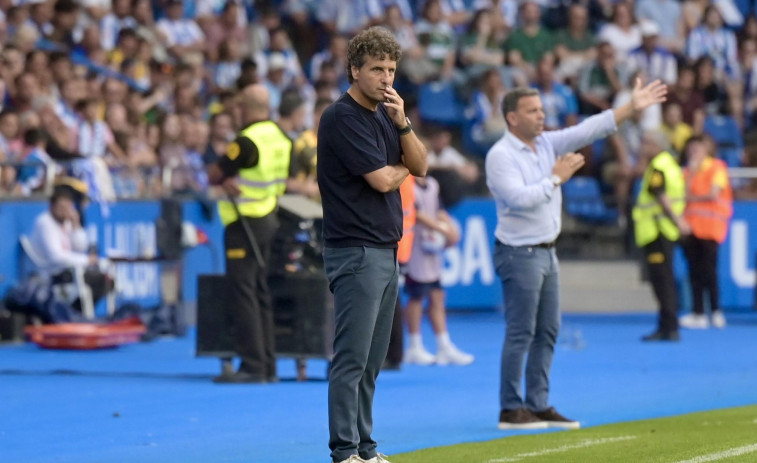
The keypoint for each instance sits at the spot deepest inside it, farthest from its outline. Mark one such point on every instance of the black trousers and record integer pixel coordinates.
(250, 298)
(659, 256)
(702, 256)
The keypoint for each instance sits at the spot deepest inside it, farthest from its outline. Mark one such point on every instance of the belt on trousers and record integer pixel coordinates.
(549, 245)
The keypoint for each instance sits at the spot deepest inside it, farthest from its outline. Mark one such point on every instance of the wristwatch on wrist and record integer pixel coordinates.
(556, 180)
(408, 128)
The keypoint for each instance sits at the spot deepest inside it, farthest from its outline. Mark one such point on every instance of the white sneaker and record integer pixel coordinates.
(718, 319)
(353, 459)
(418, 356)
(453, 356)
(694, 321)
(379, 458)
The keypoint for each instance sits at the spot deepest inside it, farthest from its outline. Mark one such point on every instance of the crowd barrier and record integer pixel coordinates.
(127, 229)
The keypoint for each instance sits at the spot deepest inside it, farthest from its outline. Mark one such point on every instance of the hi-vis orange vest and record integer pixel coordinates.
(708, 219)
(407, 191)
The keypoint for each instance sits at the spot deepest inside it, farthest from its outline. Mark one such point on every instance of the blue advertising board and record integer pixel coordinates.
(127, 228)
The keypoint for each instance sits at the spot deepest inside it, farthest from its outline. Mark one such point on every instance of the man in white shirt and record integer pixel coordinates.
(61, 242)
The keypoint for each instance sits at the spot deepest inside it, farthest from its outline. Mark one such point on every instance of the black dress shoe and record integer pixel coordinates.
(662, 336)
(240, 377)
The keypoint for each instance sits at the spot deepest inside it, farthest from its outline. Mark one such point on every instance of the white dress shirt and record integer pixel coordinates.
(528, 204)
(58, 245)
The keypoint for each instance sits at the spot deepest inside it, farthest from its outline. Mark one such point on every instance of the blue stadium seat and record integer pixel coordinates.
(727, 135)
(582, 199)
(438, 102)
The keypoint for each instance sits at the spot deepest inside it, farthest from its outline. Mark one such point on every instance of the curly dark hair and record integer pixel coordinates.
(376, 42)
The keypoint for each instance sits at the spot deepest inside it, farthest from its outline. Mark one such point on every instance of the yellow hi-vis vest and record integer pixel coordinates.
(263, 184)
(648, 216)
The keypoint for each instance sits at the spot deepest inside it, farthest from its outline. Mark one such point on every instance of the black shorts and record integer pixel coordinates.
(417, 290)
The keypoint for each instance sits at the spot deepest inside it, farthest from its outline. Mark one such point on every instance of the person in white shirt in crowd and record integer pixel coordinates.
(653, 60)
(621, 32)
(443, 156)
(434, 231)
(182, 36)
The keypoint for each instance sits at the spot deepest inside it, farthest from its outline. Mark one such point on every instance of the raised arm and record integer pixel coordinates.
(642, 97)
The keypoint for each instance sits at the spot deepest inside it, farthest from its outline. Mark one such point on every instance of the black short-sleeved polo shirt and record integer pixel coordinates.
(353, 141)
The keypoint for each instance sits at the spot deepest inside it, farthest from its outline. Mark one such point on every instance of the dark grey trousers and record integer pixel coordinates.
(364, 283)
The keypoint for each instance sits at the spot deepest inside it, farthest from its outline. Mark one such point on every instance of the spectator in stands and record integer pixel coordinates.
(292, 114)
(221, 134)
(622, 32)
(415, 66)
(529, 42)
(434, 231)
(71, 92)
(480, 48)
(40, 15)
(443, 156)
(119, 18)
(560, 103)
(438, 39)
(504, 14)
(575, 46)
(674, 127)
(61, 67)
(38, 167)
(601, 80)
(65, 29)
(691, 100)
(748, 58)
(182, 36)
(276, 80)
(709, 86)
(667, 15)
(225, 28)
(711, 38)
(227, 70)
(27, 90)
(336, 53)
(281, 45)
(94, 139)
(147, 29)
(488, 122)
(13, 66)
(11, 144)
(709, 207)
(653, 60)
(347, 18)
(455, 12)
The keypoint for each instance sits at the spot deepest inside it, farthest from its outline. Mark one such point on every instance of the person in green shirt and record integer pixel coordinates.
(574, 45)
(530, 42)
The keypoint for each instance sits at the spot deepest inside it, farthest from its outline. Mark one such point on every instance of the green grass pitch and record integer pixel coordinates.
(728, 435)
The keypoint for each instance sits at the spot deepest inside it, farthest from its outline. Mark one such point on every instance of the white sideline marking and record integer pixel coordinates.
(734, 452)
(563, 448)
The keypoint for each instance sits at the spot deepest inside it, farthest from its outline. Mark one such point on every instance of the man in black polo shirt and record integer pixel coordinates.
(366, 148)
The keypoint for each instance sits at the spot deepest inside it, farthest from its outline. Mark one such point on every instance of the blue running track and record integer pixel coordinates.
(155, 402)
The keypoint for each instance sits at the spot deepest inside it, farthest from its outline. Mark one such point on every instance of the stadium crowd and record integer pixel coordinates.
(136, 96)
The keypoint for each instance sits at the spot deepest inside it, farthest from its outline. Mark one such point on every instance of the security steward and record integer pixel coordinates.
(254, 173)
(658, 224)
